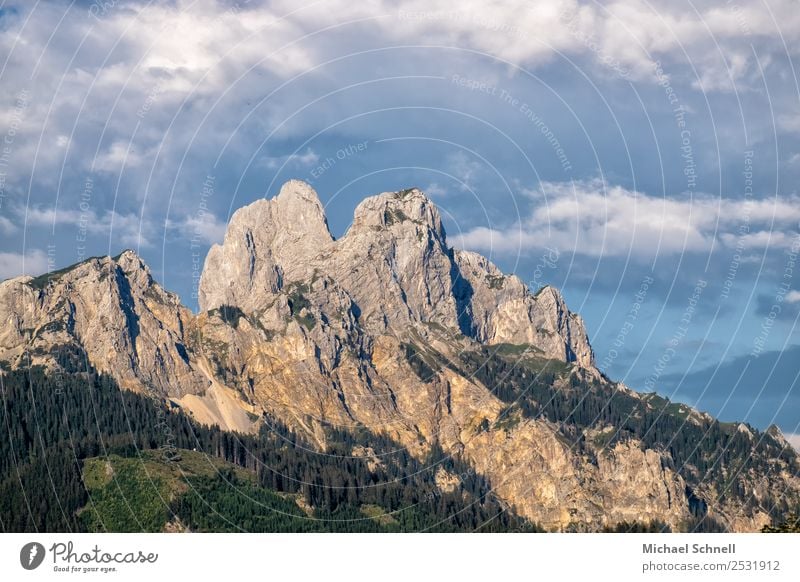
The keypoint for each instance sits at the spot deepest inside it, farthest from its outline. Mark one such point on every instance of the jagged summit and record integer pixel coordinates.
(108, 310)
(298, 206)
(128, 261)
(403, 208)
(127, 254)
(266, 242)
(394, 265)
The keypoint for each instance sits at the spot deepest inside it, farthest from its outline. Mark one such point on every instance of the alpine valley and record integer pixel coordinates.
(383, 381)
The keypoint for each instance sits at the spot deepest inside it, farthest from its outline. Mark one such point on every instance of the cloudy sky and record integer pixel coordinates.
(642, 156)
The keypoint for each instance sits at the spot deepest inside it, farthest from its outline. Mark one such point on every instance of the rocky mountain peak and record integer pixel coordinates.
(502, 309)
(406, 208)
(296, 209)
(395, 266)
(134, 268)
(298, 206)
(267, 243)
(109, 311)
(775, 432)
(550, 296)
(129, 259)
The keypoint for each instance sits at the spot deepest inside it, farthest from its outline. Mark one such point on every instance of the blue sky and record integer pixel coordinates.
(641, 156)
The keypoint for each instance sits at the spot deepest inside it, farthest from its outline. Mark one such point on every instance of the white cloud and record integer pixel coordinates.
(464, 169)
(792, 296)
(150, 68)
(306, 159)
(633, 33)
(7, 227)
(789, 124)
(716, 40)
(119, 156)
(204, 227)
(794, 440)
(14, 264)
(433, 190)
(47, 216)
(175, 79)
(593, 219)
(126, 229)
(761, 239)
(138, 65)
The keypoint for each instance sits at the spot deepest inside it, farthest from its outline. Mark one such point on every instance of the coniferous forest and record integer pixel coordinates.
(59, 429)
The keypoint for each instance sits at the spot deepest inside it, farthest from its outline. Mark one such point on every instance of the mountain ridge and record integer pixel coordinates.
(393, 263)
(389, 329)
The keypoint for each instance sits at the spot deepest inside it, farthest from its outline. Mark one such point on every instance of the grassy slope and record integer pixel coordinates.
(200, 493)
(136, 494)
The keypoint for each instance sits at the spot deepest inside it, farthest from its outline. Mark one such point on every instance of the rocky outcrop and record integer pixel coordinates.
(533, 465)
(267, 244)
(395, 267)
(395, 263)
(503, 310)
(123, 321)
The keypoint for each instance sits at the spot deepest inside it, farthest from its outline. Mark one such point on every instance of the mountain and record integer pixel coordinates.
(390, 332)
(393, 269)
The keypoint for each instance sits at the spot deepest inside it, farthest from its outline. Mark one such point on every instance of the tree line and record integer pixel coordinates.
(53, 425)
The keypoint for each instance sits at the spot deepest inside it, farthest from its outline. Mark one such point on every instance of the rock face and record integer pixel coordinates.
(503, 310)
(111, 314)
(366, 332)
(126, 324)
(395, 266)
(266, 244)
(546, 479)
